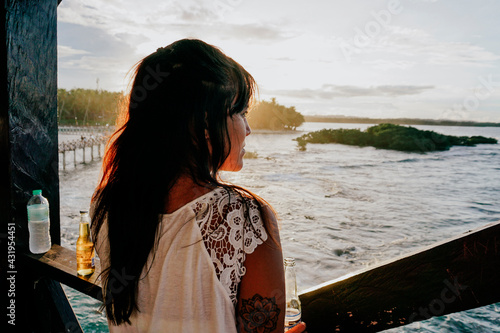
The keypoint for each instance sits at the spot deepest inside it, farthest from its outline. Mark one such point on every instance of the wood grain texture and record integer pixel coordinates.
(59, 264)
(31, 120)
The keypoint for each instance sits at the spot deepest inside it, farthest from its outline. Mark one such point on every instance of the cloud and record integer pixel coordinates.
(67, 51)
(259, 31)
(283, 59)
(159, 18)
(418, 44)
(426, 53)
(96, 41)
(385, 64)
(196, 12)
(329, 91)
(84, 71)
(87, 53)
(412, 46)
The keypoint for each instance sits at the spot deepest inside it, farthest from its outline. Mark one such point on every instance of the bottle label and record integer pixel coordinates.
(38, 213)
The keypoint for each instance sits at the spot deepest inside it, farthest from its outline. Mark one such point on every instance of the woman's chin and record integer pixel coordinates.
(233, 167)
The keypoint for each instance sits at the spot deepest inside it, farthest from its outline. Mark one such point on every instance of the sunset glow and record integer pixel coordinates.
(432, 59)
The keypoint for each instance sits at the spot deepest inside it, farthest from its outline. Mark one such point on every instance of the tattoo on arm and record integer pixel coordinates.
(259, 314)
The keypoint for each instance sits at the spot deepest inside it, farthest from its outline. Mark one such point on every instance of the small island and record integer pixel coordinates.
(274, 116)
(390, 136)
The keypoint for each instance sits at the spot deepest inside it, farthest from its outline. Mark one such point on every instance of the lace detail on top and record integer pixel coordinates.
(230, 230)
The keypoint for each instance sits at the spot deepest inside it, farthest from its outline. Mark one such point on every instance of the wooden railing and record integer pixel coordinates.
(451, 276)
(50, 269)
(59, 263)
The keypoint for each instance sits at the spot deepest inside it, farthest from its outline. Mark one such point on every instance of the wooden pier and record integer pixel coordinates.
(85, 130)
(83, 144)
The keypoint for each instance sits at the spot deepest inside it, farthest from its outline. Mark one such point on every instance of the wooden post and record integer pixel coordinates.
(83, 148)
(29, 122)
(28, 137)
(51, 308)
(64, 159)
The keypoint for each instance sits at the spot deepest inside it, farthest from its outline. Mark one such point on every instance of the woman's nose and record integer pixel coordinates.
(247, 127)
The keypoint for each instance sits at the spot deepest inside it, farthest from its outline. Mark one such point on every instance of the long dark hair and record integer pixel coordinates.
(180, 94)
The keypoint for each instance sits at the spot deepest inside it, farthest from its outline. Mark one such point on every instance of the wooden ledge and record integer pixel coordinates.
(59, 264)
(454, 275)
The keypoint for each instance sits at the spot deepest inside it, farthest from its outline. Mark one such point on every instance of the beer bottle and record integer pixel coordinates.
(84, 247)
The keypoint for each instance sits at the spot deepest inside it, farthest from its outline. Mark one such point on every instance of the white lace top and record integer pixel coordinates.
(193, 281)
(228, 235)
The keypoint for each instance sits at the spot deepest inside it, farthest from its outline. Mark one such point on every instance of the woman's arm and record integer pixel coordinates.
(261, 298)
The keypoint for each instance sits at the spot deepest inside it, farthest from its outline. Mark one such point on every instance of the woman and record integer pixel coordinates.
(182, 251)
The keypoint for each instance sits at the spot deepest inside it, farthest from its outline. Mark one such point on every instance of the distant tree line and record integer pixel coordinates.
(398, 121)
(84, 107)
(390, 136)
(274, 116)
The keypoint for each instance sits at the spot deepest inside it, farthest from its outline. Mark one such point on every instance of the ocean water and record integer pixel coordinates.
(345, 208)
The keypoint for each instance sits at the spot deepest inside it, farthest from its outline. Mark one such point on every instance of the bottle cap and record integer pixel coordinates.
(37, 192)
(84, 212)
(290, 261)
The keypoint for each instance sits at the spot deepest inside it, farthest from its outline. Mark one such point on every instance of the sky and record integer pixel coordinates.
(432, 59)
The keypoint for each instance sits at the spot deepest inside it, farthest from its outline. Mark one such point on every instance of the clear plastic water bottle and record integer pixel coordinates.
(293, 309)
(38, 223)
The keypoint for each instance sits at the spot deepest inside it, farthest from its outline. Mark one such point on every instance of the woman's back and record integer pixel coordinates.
(192, 283)
(180, 248)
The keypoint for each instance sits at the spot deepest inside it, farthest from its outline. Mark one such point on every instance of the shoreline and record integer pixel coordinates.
(397, 121)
